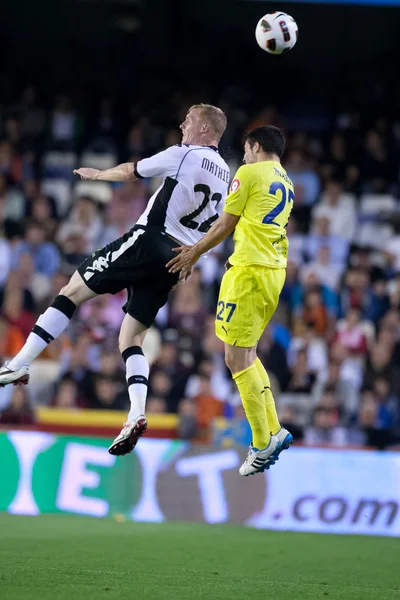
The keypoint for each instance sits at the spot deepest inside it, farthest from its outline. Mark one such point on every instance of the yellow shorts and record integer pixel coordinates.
(248, 298)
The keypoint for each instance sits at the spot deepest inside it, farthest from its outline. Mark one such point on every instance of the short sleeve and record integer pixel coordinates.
(163, 164)
(238, 193)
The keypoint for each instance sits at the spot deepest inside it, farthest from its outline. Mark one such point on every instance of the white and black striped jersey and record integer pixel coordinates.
(193, 192)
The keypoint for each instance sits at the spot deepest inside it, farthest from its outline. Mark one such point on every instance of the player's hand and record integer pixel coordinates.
(88, 173)
(185, 260)
(183, 276)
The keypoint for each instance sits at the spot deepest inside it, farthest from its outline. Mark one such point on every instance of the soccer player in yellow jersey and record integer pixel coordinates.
(257, 209)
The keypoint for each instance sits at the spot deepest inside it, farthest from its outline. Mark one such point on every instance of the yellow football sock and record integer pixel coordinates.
(250, 386)
(269, 399)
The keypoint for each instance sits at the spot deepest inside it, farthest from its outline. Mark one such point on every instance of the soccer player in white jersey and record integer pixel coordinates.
(189, 200)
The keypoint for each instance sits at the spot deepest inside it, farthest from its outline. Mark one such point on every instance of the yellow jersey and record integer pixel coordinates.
(262, 195)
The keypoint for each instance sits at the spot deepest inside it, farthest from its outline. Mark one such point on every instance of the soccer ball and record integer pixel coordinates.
(276, 32)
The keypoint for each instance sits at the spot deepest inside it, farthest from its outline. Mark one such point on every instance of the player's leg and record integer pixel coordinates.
(241, 362)
(131, 339)
(148, 292)
(284, 436)
(239, 323)
(49, 326)
(272, 415)
(273, 280)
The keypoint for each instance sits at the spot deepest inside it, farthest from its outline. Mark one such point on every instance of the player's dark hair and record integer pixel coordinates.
(270, 138)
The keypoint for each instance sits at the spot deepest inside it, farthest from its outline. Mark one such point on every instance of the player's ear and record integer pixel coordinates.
(205, 128)
(256, 148)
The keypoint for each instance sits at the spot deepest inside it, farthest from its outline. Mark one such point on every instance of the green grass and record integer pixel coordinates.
(77, 558)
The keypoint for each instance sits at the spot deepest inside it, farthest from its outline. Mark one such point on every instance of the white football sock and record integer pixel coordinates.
(48, 327)
(137, 374)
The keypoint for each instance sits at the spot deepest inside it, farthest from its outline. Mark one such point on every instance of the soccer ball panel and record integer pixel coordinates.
(276, 32)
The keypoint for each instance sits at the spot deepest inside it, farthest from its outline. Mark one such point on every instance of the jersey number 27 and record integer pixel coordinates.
(269, 218)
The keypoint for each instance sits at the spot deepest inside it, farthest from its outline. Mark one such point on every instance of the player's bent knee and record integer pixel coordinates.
(76, 290)
(126, 341)
(238, 359)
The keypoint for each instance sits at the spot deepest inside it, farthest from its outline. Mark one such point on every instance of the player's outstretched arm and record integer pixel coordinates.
(124, 172)
(189, 255)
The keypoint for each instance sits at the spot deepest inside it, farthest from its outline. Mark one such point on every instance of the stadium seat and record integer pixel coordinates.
(376, 204)
(303, 404)
(98, 190)
(98, 161)
(374, 235)
(60, 190)
(350, 199)
(59, 165)
(44, 374)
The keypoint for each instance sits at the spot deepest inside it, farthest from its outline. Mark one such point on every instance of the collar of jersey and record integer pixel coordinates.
(197, 146)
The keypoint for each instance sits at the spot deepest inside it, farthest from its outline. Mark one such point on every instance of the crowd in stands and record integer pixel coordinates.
(333, 347)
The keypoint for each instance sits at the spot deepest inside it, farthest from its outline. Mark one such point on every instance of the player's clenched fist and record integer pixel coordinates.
(88, 173)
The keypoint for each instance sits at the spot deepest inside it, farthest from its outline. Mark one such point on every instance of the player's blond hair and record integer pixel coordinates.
(214, 116)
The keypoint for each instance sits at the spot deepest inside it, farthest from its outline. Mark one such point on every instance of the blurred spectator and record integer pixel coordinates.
(325, 429)
(11, 339)
(107, 394)
(322, 237)
(323, 269)
(34, 281)
(289, 418)
(306, 181)
(392, 250)
(377, 168)
(273, 357)
(315, 312)
(297, 242)
(11, 200)
(187, 310)
(155, 405)
(187, 414)
(117, 222)
(67, 396)
(339, 210)
(379, 302)
(17, 304)
(378, 365)
(5, 260)
(310, 282)
(43, 210)
(160, 385)
(63, 126)
(302, 379)
(31, 115)
(305, 338)
(351, 334)
(80, 358)
(45, 254)
(369, 422)
(20, 411)
(344, 389)
(208, 406)
(355, 292)
(84, 223)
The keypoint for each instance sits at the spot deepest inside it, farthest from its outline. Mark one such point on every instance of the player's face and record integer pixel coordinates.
(191, 126)
(249, 154)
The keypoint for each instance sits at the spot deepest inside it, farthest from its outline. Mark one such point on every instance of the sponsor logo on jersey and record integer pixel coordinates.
(235, 185)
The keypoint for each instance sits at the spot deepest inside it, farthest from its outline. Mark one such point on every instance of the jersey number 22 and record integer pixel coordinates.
(189, 220)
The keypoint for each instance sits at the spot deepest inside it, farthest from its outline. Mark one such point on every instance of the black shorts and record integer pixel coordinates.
(136, 262)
